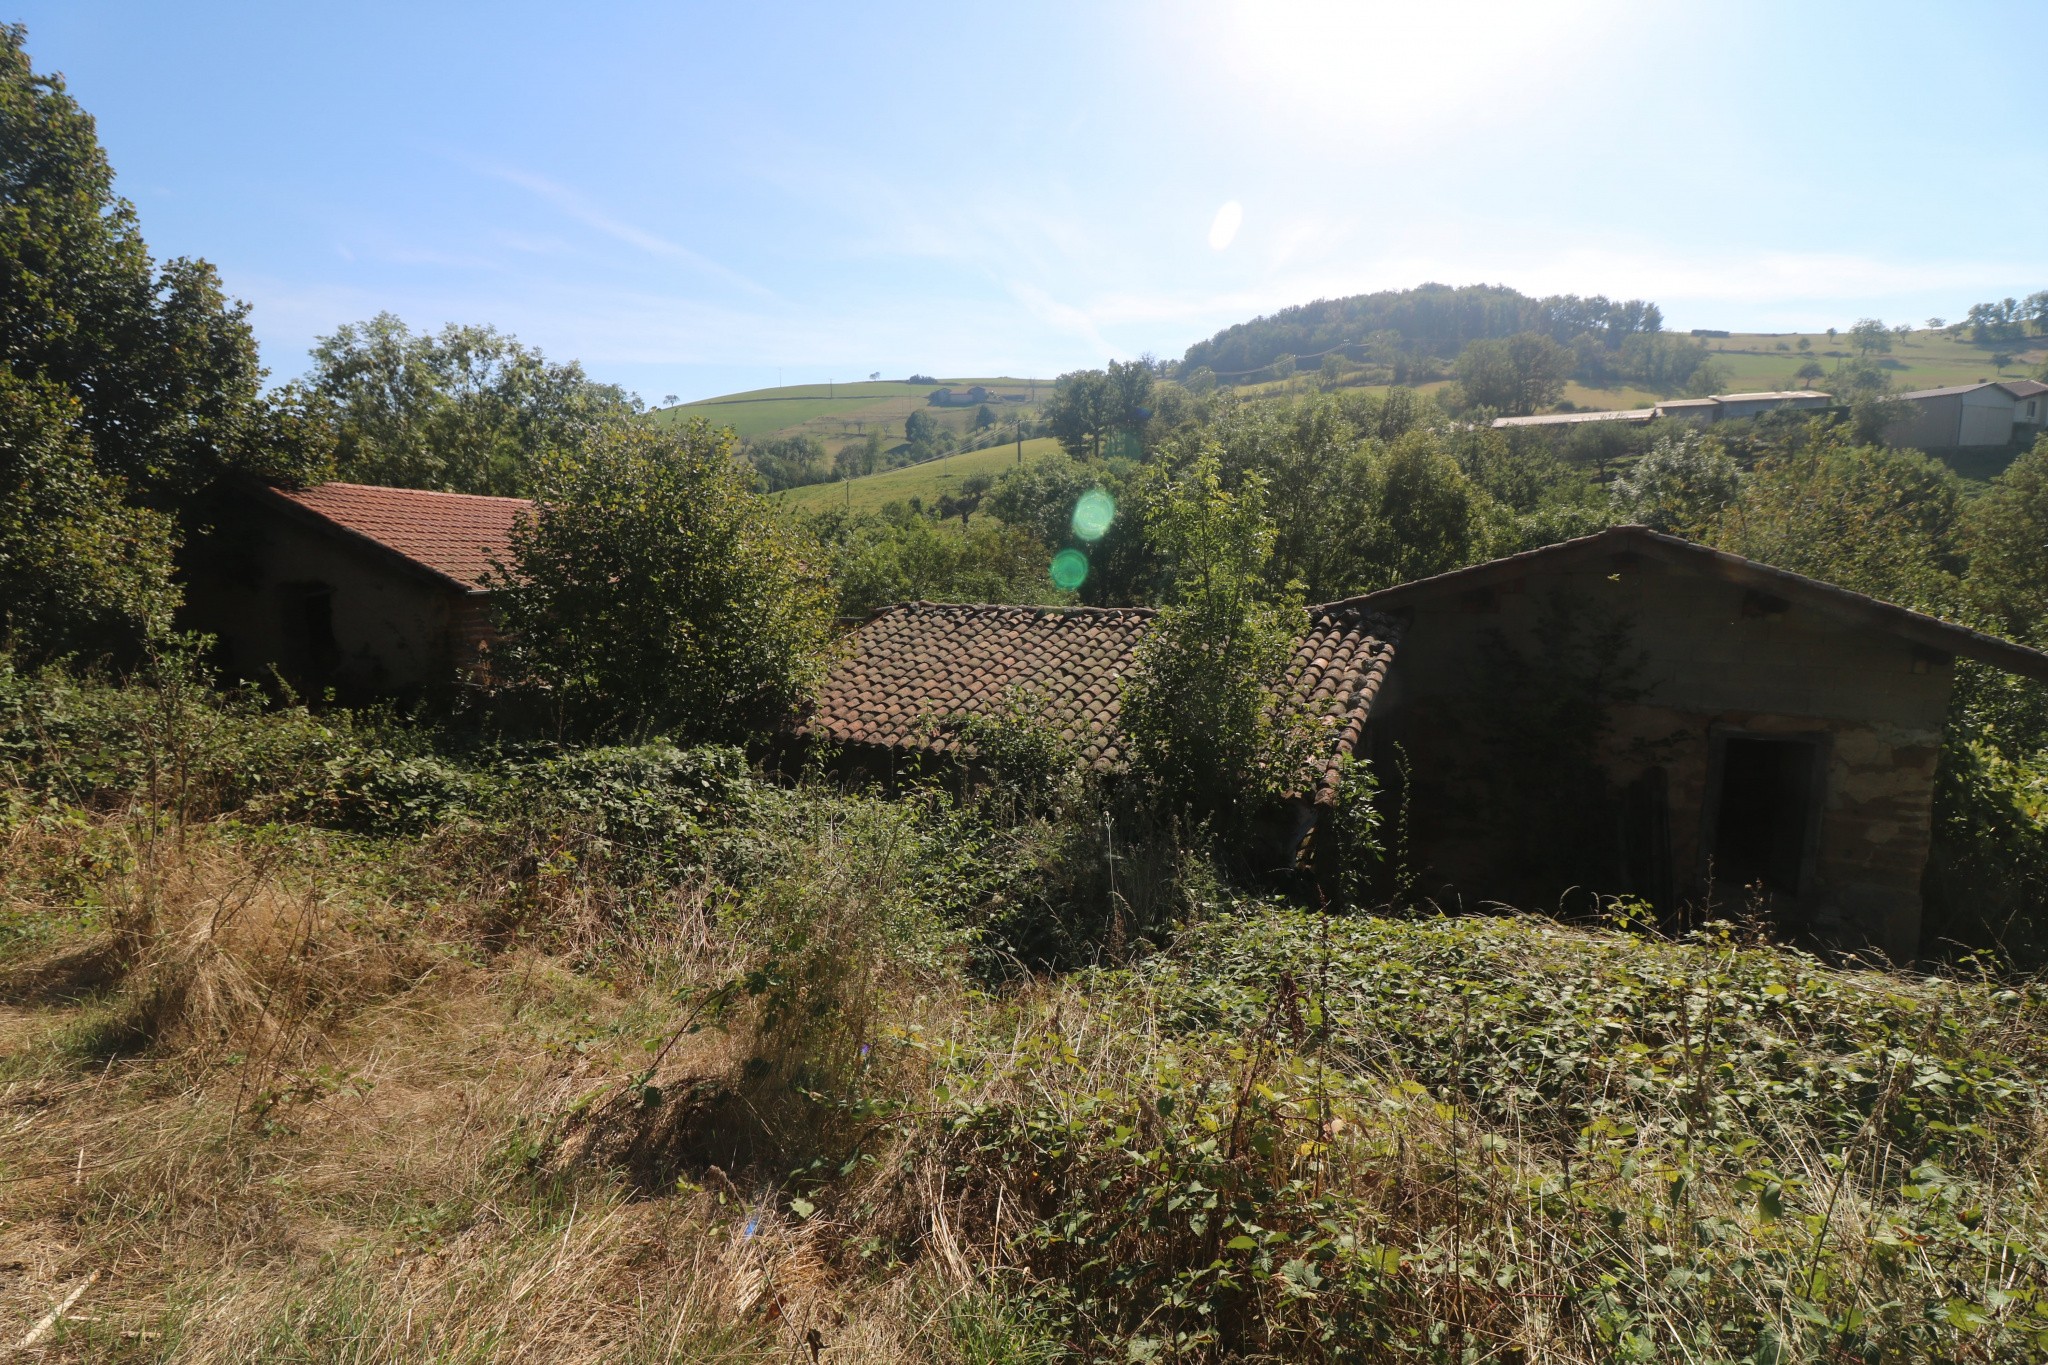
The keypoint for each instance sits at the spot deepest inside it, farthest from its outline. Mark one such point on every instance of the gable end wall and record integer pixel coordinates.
(1718, 660)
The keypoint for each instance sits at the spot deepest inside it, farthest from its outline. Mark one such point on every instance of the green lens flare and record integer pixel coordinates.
(1093, 514)
(1069, 570)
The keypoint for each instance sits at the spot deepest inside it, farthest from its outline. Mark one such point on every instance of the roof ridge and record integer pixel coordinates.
(395, 488)
(1958, 638)
(1035, 609)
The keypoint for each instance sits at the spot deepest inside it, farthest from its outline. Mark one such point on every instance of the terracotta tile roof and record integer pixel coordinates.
(1339, 668)
(913, 666)
(452, 535)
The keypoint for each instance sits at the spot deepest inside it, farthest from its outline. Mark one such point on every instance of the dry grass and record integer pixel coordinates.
(296, 1096)
(291, 1121)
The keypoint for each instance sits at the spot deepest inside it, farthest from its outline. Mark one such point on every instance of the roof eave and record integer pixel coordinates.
(1917, 627)
(307, 516)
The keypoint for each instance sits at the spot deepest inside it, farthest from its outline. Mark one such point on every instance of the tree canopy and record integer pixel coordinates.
(1200, 710)
(1430, 320)
(1518, 375)
(465, 410)
(653, 592)
(81, 571)
(160, 364)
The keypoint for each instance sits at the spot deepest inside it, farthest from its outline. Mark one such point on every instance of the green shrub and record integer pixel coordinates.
(646, 810)
(164, 734)
(1313, 1137)
(376, 791)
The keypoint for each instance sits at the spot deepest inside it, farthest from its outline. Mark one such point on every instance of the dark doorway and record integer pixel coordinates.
(1763, 823)
(309, 623)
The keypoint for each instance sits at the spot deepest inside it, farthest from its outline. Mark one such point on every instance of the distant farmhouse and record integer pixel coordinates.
(961, 398)
(2030, 403)
(1972, 416)
(362, 589)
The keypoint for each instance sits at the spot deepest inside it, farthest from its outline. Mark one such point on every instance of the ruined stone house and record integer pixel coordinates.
(1768, 740)
(365, 590)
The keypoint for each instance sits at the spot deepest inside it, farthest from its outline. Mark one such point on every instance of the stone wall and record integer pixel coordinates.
(394, 630)
(1718, 660)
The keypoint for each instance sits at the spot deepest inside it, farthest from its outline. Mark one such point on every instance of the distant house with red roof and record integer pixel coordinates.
(363, 589)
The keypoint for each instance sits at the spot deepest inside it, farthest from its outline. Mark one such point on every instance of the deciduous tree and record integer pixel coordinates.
(159, 363)
(465, 410)
(1201, 711)
(1870, 335)
(1517, 375)
(652, 592)
(2007, 534)
(81, 571)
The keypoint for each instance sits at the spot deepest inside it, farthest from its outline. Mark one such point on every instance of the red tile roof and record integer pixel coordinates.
(452, 535)
(1339, 668)
(914, 666)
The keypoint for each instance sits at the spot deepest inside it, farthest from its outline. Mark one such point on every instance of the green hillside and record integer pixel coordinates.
(838, 413)
(1919, 360)
(927, 480)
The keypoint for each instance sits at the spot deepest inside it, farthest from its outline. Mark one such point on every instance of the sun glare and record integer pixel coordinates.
(1223, 231)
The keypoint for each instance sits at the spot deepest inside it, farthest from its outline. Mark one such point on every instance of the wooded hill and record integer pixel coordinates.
(1436, 320)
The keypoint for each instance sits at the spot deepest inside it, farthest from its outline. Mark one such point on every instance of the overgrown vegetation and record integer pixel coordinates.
(704, 1073)
(560, 1025)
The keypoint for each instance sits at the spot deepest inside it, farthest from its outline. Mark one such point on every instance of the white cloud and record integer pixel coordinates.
(576, 206)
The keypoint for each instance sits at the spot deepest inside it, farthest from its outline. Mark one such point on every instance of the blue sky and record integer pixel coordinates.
(693, 199)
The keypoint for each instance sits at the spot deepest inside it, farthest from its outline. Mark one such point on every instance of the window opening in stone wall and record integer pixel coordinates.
(1764, 821)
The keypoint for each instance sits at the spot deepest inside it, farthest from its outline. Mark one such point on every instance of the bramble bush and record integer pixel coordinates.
(1305, 1137)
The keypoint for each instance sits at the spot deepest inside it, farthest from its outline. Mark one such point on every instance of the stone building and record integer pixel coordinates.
(1757, 738)
(366, 590)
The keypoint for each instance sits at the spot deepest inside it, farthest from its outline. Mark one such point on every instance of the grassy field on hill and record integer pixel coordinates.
(1920, 360)
(927, 480)
(1768, 361)
(837, 413)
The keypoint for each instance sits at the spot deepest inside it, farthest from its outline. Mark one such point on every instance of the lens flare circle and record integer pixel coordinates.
(1069, 570)
(1093, 514)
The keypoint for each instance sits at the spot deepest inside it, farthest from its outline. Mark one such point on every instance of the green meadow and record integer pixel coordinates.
(836, 413)
(927, 480)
